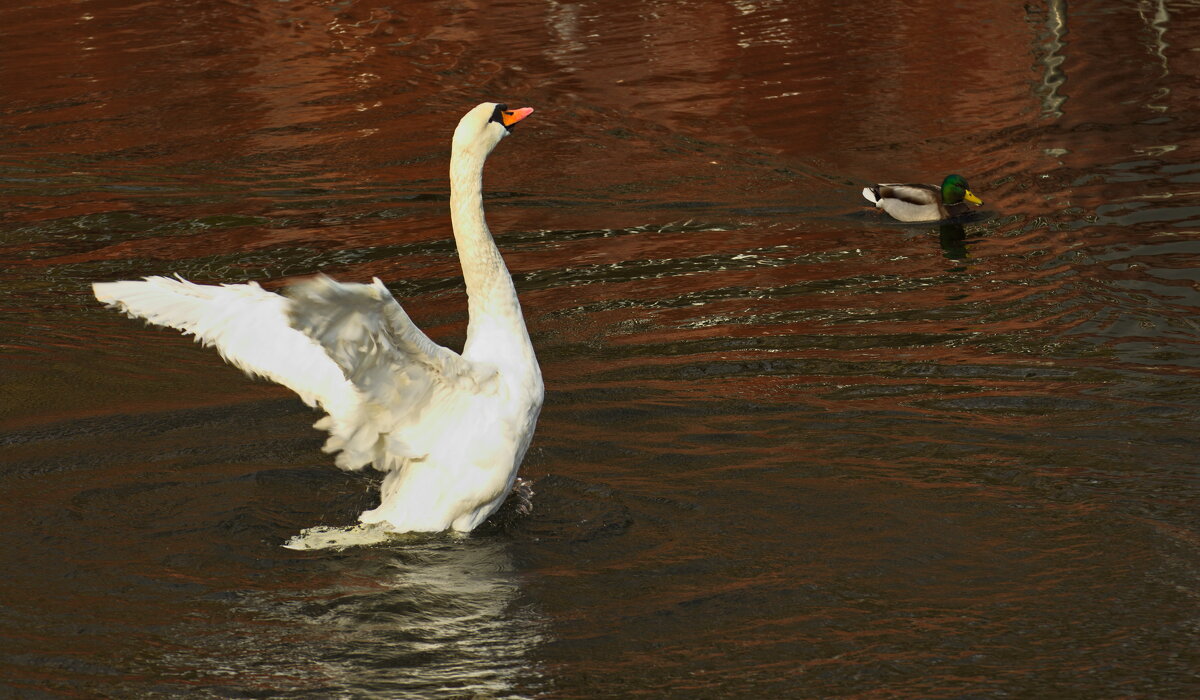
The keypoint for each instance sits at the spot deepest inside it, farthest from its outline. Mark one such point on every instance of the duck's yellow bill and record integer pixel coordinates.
(970, 197)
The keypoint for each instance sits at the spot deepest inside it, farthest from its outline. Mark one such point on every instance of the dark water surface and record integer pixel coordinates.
(788, 448)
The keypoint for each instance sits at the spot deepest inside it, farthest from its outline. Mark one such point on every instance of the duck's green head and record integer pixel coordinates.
(955, 190)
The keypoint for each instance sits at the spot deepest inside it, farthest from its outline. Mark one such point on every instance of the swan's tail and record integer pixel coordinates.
(872, 194)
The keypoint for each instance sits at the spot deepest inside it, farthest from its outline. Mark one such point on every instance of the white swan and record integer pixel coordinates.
(448, 430)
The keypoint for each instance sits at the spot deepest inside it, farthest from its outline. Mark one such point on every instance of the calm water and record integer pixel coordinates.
(788, 447)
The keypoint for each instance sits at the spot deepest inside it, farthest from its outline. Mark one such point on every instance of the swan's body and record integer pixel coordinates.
(923, 202)
(448, 430)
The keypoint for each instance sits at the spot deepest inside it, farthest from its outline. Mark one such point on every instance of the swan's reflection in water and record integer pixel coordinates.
(440, 617)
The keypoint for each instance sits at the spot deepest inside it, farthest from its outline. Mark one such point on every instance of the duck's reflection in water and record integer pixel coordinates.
(952, 237)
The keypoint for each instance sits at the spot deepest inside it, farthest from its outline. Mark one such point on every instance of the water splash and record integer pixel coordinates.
(338, 538)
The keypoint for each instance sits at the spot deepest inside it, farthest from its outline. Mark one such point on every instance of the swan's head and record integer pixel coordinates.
(483, 127)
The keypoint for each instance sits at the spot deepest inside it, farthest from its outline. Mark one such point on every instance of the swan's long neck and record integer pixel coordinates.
(495, 318)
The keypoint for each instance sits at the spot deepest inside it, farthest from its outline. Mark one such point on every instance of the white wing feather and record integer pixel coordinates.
(348, 348)
(367, 333)
(248, 325)
(414, 390)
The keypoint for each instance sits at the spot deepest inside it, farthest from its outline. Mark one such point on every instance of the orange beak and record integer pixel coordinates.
(513, 116)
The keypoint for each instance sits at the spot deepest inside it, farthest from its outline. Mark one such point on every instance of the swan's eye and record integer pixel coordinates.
(498, 114)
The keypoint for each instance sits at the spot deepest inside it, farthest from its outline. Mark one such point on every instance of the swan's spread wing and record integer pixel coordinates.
(408, 381)
(349, 348)
(248, 326)
(369, 335)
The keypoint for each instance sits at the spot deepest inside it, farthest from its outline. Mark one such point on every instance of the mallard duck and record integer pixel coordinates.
(922, 202)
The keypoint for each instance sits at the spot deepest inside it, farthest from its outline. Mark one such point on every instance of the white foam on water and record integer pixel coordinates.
(323, 537)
